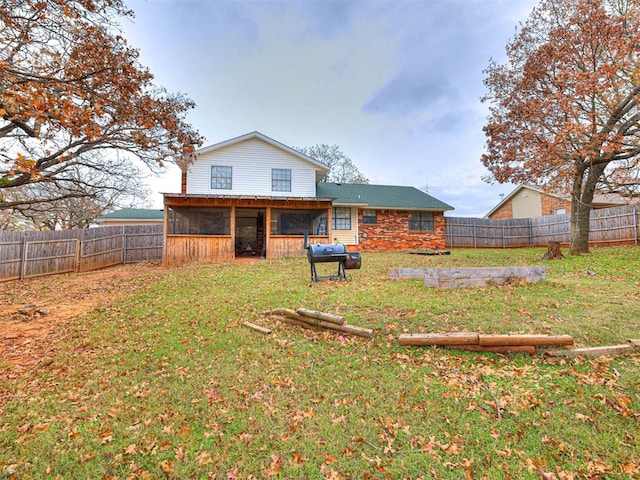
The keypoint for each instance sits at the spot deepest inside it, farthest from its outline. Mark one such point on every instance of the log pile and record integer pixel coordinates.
(477, 342)
(313, 319)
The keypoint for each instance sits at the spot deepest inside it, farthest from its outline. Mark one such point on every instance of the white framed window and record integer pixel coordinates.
(281, 179)
(559, 211)
(421, 221)
(221, 177)
(341, 218)
(369, 217)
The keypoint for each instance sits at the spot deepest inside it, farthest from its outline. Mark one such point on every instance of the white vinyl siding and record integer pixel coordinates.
(348, 237)
(251, 162)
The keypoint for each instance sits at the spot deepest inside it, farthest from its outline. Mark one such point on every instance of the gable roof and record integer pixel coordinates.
(134, 214)
(259, 136)
(599, 200)
(380, 196)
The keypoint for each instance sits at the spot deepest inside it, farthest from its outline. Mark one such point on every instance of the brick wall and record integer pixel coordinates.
(505, 212)
(549, 204)
(391, 233)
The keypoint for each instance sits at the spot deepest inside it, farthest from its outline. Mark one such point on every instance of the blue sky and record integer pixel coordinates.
(395, 84)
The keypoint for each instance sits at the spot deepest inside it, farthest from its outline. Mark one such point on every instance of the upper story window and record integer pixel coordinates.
(369, 217)
(221, 177)
(281, 179)
(341, 218)
(421, 221)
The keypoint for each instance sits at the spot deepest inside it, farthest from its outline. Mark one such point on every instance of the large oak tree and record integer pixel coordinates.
(564, 106)
(73, 96)
(341, 167)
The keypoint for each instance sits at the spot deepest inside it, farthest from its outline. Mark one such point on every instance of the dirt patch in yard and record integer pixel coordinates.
(34, 313)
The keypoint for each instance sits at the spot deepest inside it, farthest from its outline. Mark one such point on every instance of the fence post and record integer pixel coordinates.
(23, 258)
(530, 232)
(475, 238)
(124, 246)
(503, 239)
(76, 258)
(635, 224)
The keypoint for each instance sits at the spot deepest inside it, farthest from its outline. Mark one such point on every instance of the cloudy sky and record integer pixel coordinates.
(395, 84)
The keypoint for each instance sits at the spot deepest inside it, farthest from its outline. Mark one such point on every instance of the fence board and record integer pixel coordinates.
(36, 253)
(608, 225)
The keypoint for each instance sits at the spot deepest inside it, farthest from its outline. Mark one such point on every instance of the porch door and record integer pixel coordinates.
(250, 232)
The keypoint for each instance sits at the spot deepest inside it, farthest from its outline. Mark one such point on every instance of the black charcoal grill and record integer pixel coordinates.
(331, 253)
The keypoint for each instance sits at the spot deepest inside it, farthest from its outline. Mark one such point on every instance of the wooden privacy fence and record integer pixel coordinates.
(615, 225)
(36, 253)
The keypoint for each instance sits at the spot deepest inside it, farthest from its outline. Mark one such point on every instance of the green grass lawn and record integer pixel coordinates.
(167, 384)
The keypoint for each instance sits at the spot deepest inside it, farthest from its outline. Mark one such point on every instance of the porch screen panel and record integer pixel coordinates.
(297, 222)
(199, 221)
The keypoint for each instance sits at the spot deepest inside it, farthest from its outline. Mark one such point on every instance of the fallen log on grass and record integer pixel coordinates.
(257, 328)
(327, 317)
(481, 276)
(314, 323)
(627, 348)
(455, 338)
(533, 340)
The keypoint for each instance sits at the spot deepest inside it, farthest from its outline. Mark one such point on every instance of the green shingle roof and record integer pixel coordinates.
(135, 214)
(380, 196)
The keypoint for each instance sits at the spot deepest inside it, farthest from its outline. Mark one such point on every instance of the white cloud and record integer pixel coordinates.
(395, 84)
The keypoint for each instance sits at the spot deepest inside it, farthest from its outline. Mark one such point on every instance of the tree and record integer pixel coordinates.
(72, 95)
(82, 195)
(342, 169)
(564, 107)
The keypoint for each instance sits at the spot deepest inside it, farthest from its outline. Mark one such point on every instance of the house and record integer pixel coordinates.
(528, 201)
(254, 196)
(132, 216)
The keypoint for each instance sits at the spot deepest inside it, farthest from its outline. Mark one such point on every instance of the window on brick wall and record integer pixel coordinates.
(369, 217)
(559, 211)
(421, 222)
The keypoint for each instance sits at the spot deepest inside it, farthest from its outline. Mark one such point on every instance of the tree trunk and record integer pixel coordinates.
(579, 228)
(581, 205)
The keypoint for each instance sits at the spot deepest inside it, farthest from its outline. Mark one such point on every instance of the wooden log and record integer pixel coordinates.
(314, 323)
(530, 349)
(455, 338)
(285, 312)
(535, 340)
(481, 276)
(255, 327)
(327, 317)
(612, 350)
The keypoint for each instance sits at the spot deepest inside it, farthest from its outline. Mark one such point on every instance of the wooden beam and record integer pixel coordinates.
(530, 349)
(623, 349)
(313, 323)
(455, 338)
(327, 317)
(257, 328)
(535, 340)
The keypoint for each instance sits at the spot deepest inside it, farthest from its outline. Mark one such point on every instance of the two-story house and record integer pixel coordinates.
(252, 195)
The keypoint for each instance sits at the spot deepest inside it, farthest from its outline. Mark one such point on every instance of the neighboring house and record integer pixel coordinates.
(252, 195)
(528, 201)
(132, 216)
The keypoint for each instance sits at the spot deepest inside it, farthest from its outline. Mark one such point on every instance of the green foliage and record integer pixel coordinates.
(168, 384)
